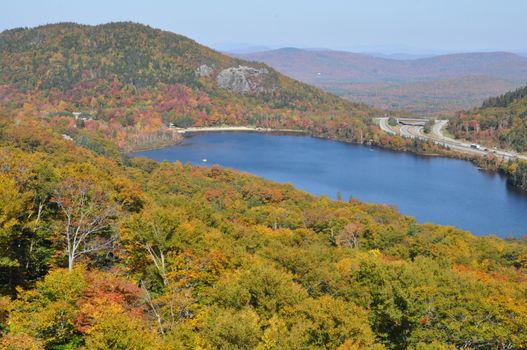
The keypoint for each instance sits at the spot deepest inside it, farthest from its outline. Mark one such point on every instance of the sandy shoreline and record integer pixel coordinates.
(234, 128)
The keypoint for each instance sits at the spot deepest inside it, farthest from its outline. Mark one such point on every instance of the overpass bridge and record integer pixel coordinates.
(412, 121)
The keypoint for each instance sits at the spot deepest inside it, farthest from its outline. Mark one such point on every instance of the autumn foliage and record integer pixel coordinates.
(197, 257)
(102, 251)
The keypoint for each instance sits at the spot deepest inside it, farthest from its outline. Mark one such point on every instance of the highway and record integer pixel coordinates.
(383, 123)
(437, 136)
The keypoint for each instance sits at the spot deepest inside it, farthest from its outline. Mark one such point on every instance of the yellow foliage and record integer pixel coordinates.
(20, 342)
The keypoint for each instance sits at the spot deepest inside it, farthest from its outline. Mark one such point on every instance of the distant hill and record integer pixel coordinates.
(399, 56)
(370, 79)
(315, 66)
(64, 55)
(499, 121)
(138, 80)
(446, 96)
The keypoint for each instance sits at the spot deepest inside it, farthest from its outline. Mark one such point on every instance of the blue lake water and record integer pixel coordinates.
(432, 189)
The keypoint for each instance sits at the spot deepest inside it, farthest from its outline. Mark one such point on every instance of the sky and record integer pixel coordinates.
(387, 26)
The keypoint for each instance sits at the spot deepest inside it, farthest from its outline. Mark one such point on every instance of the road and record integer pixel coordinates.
(437, 136)
(383, 123)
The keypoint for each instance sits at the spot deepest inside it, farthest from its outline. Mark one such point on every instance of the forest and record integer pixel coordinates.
(501, 121)
(130, 82)
(103, 251)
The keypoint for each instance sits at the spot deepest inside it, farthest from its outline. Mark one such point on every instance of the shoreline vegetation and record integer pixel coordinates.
(131, 105)
(515, 171)
(237, 129)
(178, 133)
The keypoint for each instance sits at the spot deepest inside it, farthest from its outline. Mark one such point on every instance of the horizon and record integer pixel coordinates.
(411, 27)
(388, 52)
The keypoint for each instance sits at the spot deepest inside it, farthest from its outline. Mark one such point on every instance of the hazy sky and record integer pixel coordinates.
(387, 25)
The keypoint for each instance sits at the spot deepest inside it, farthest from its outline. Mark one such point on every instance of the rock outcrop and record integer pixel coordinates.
(204, 71)
(245, 80)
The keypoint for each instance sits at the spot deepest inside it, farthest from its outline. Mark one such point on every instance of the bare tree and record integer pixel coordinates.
(87, 215)
(148, 298)
(349, 236)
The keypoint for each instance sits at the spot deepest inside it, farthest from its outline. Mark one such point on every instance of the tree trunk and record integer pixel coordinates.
(71, 260)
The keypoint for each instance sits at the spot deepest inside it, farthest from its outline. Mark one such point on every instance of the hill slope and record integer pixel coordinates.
(499, 121)
(138, 79)
(373, 80)
(63, 55)
(103, 252)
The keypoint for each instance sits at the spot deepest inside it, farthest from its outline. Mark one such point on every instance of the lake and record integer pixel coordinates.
(431, 189)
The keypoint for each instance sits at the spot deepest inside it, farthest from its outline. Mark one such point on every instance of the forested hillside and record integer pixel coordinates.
(500, 121)
(437, 98)
(131, 81)
(98, 251)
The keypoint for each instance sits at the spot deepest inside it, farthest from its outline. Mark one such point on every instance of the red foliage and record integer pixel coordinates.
(103, 291)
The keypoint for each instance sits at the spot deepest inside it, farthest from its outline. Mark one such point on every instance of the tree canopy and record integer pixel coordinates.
(198, 257)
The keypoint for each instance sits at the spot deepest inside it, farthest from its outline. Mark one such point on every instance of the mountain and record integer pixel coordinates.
(353, 67)
(352, 75)
(133, 81)
(65, 55)
(499, 121)
(99, 250)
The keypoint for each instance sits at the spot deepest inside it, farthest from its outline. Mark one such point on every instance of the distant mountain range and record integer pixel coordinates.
(398, 55)
(428, 85)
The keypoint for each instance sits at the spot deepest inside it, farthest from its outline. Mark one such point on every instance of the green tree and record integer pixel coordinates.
(230, 329)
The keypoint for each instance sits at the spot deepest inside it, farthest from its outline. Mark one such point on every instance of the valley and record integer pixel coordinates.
(435, 86)
(156, 194)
